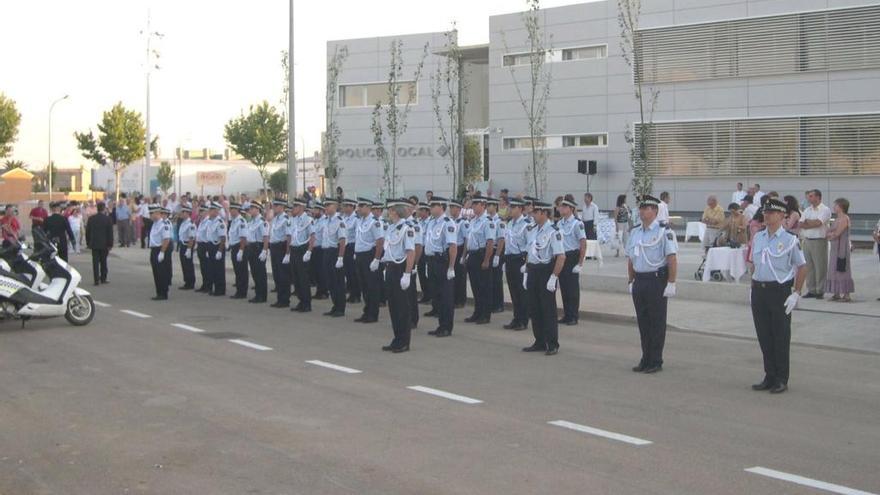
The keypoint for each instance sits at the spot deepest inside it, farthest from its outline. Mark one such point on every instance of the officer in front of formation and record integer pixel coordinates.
(333, 244)
(574, 242)
(279, 240)
(186, 235)
(257, 250)
(479, 245)
(202, 249)
(544, 261)
(302, 244)
(652, 266)
(440, 248)
(398, 257)
(217, 242)
(515, 251)
(780, 270)
(238, 242)
(368, 244)
(160, 252)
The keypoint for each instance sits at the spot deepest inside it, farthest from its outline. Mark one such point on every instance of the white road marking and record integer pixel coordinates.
(332, 366)
(600, 433)
(134, 313)
(250, 344)
(101, 304)
(445, 395)
(800, 480)
(187, 327)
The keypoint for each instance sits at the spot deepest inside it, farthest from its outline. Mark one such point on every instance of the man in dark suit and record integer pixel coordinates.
(99, 238)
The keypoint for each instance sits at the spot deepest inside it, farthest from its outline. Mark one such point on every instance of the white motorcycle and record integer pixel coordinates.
(21, 300)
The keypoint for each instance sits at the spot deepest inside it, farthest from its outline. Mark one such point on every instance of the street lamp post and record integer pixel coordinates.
(49, 166)
(291, 140)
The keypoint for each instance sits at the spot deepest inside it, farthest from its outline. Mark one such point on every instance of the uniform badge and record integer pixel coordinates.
(377, 224)
(450, 229)
(416, 228)
(342, 225)
(581, 225)
(501, 225)
(558, 236)
(410, 233)
(491, 225)
(669, 236)
(779, 247)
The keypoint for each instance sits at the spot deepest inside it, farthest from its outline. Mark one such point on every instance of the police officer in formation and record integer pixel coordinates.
(317, 267)
(202, 249)
(780, 270)
(377, 210)
(257, 231)
(574, 243)
(440, 251)
(461, 223)
(479, 246)
(160, 252)
(279, 241)
(515, 251)
(419, 219)
(186, 235)
(369, 239)
(302, 245)
(333, 244)
(216, 253)
(544, 262)
(414, 220)
(238, 241)
(652, 266)
(349, 216)
(496, 288)
(398, 257)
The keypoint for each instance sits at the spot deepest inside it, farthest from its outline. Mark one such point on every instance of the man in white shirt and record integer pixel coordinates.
(589, 215)
(757, 195)
(173, 204)
(749, 208)
(814, 225)
(663, 208)
(739, 194)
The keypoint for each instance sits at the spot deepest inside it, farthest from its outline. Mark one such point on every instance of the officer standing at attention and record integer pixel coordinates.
(545, 260)
(780, 271)
(496, 289)
(377, 214)
(574, 242)
(316, 268)
(479, 246)
(217, 250)
(415, 223)
(441, 247)
(399, 259)
(160, 244)
(238, 242)
(279, 240)
(186, 234)
(652, 266)
(349, 215)
(202, 248)
(302, 244)
(461, 224)
(515, 249)
(165, 215)
(257, 250)
(420, 219)
(333, 242)
(369, 242)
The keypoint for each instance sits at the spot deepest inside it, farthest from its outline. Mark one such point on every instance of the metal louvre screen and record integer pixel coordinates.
(796, 146)
(812, 41)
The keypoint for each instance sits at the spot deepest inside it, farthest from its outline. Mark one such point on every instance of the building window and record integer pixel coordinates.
(517, 59)
(368, 95)
(585, 53)
(521, 143)
(839, 39)
(585, 140)
(840, 145)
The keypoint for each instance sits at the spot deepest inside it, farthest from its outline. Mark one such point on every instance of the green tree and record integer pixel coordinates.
(14, 164)
(449, 96)
(120, 140)
(332, 131)
(278, 181)
(473, 162)
(259, 137)
(10, 118)
(165, 176)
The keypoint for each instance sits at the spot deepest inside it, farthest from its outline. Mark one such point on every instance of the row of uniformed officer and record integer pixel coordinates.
(479, 249)
(161, 248)
(515, 252)
(440, 250)
(399, 258)
(186, 235)
(237, 242)
(369, 239)
(574, 243)
(257, 250)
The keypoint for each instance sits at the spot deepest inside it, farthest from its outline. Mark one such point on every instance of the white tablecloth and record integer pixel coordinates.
(695, 229)
(594, 250)
(730, 261)
(605, 229)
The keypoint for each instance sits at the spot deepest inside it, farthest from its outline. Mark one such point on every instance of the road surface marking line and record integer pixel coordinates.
(600, 433)
(101, 304)
(250, 344)
(800, 480)
(187, 327)
(445, 395)
(332, 366)
(134, 313)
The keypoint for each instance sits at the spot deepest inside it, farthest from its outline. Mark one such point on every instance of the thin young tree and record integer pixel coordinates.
(165, 176)
(449, 90)
(260, 136)
(10, 118)
(120, 141)
(332, 131)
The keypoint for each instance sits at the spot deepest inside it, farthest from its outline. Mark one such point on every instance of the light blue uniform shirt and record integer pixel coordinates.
(237, 229)
(160, 231)
(280, 228)
(318, 227)
(648, 248)
(202, 230)
(350, 226)
(187, 230)
(480, 230)
(301, 229)
(367, 231)
(776, 257)
(257, 228)
(440, 234)
(572, 230)
(216, 231)
(500, 228)
(418, 233)
(399, 239)
(515, 240)
(462, 225)
(334, 230)
(545, 242)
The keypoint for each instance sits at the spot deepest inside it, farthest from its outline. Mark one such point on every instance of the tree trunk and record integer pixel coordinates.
(117, 184)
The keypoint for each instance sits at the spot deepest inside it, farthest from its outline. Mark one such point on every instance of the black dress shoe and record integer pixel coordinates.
(253, 300)
(817, 296)
(387, 347)
(498, 310)
(370, 320)
(482, 321)
(640, 368)
(217, 294)
(338, 314)
(202, 289)
(779, 388)
(328, 313)
(470, 319)
(360, 319)
(424, 300)
(552, 351)
(764, 385)
(279, 305)
(433, 332)
(571, 323)
(654, 368)
(160, 298)
(320, 297)
(535, 348)
(237, 296)
(185, 287)
(510, 326)
(562, 321)
(521, 326)
(430, 313)
(444, 333)
(398, 350)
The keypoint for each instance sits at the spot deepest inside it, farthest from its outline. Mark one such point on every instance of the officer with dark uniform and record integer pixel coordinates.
(461, 224)
(349, 215)
(302, 245)
(238, 242)
(279, 240)
(160, 255)
(515, 251)
(202, 249)
(257, 250)
(574, 242)
(333, 244)
(544, 263)
(399, 248)
(479, 245)
(652, 266)
(58, 229)
(496, 280)
(440, 248)
(217, 250)
(186, 234)
(780, 270)
(368, 245)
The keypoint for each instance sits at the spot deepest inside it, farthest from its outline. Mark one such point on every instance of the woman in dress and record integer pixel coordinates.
(623, 219)
(839, 281)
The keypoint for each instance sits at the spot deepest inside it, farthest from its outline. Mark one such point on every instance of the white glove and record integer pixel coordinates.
(339, 262)
(219, 255)
(525, 280)
(576, 269)
(630, 287)
(239, 256)
(450, 274)
(551, 283)
(503, 267)
(374, 265)
(792, 302)
(307, 256)
(404, 281)
(495, 260)
(263, 255)
(161, 256)
(286, 259)
(463, 260)
(669, 291)
(522, 269)
(188, 254)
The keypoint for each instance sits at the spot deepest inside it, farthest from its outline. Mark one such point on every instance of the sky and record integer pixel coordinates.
(216, 58)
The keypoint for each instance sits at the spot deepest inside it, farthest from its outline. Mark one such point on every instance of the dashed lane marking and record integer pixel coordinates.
(135, 313)
(445, 395)
(101, 304)
(600, 433)
(187, 327)
(800, 480)
(332, 366)
(249, 344)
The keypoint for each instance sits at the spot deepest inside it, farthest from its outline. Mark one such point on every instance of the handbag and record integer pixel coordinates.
(841, 261)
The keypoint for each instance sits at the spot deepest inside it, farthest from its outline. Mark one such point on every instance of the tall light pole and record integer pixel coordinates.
(150, 66)
(49, 166)
(291, 140)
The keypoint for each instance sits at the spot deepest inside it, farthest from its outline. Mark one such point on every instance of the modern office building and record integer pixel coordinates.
(785, 93)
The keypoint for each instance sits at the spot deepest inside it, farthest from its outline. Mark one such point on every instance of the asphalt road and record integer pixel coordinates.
(133, 404)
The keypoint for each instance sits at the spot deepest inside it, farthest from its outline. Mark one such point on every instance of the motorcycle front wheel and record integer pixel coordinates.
(80, 310)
